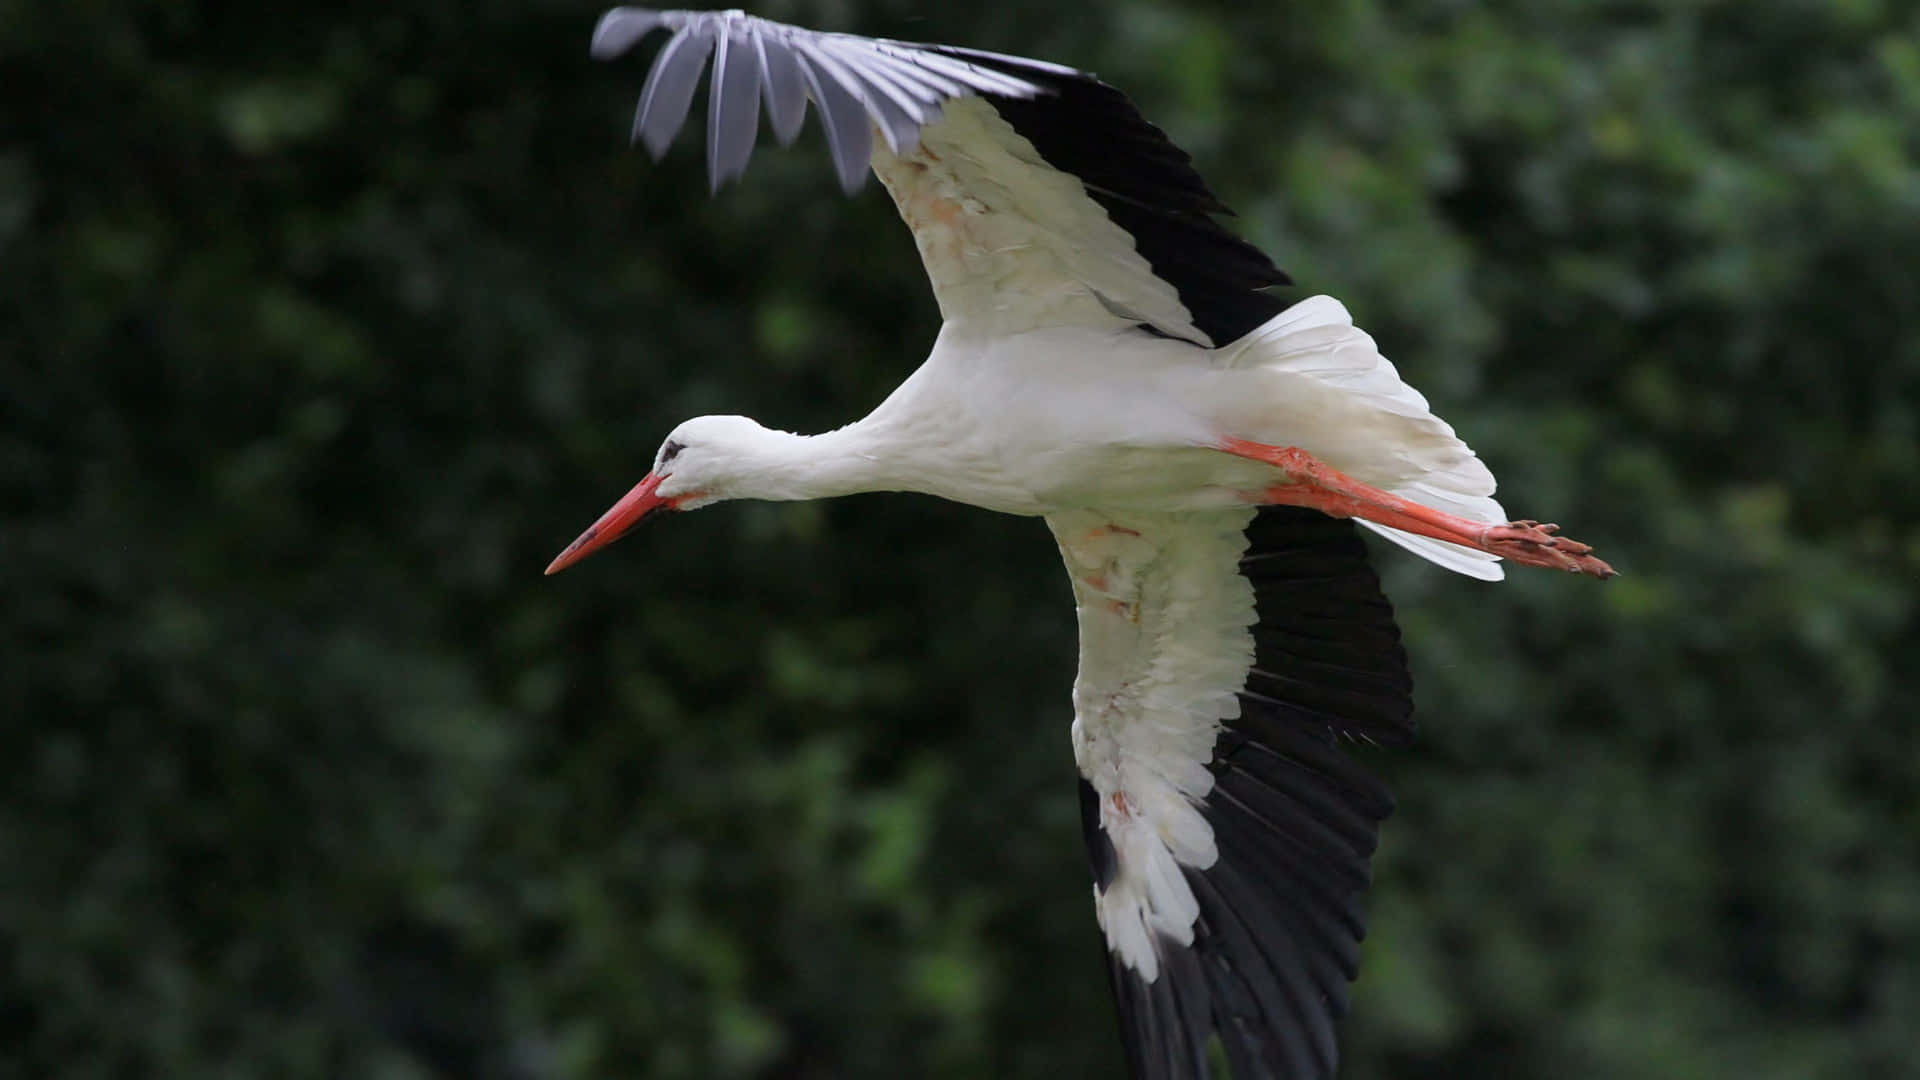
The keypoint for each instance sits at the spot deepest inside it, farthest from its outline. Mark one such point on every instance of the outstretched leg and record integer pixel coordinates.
(1313, 483)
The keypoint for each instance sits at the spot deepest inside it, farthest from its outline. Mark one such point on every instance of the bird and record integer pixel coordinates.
(1204, 452)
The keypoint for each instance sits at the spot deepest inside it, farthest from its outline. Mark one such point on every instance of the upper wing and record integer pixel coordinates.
(1038, 195)
(1223, 655)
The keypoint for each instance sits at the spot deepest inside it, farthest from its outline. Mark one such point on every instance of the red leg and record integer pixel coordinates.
(1313, 483)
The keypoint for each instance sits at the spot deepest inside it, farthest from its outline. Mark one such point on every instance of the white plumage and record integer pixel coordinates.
(1376, 427)
(1013, 243)
(1110, 359)
(1164, 647)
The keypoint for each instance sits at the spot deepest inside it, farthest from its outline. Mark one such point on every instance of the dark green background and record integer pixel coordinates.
(322, 327)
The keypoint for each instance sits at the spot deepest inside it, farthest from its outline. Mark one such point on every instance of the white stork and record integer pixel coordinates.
(1201, 450)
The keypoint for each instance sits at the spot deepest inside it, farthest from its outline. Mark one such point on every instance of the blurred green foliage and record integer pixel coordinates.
(323, 326)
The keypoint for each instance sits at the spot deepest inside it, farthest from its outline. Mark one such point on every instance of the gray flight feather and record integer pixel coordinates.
(855, 84)
(669, 89)
(785, 89)
(899, 111)
(620, 28)
(841, 113)
(733, 107)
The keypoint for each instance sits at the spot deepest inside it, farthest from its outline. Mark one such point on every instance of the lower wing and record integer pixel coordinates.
(1224, 656)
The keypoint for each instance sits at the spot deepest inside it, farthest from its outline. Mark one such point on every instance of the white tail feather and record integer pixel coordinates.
(1461, 560)
(1430, 465)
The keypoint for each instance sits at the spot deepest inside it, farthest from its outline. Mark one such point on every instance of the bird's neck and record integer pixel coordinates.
(845, 461)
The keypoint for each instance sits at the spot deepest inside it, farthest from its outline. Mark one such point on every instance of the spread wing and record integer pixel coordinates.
(1037, 194)
(1224, 655)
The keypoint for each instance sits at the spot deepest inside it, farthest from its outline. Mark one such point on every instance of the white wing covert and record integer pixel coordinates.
(1224, 655)
(1037, 194)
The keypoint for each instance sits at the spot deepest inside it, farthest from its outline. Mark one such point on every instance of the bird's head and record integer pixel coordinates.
(706, 460)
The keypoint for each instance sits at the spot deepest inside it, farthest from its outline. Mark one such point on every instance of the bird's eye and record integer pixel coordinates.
(670, 451)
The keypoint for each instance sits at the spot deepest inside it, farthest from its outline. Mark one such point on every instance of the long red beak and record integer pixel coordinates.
(615, 523)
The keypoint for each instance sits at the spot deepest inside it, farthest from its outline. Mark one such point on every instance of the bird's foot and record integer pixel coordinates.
(1531, 543)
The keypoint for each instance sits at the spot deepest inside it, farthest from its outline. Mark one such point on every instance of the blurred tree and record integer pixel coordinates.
(323, 327)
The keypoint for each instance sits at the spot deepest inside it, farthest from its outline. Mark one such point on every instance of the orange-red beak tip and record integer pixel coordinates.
(613, 524)
(568, 557)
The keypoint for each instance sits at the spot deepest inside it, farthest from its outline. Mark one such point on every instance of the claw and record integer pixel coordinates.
(1531, 543)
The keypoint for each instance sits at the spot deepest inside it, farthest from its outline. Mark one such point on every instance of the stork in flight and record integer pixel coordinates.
(1110, 360)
